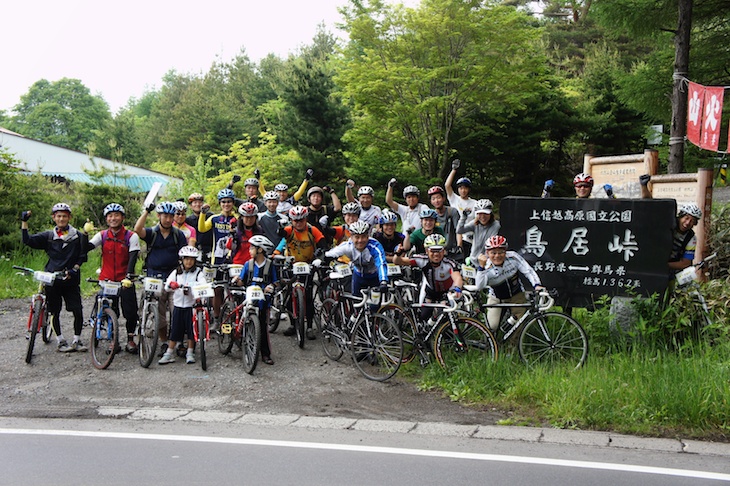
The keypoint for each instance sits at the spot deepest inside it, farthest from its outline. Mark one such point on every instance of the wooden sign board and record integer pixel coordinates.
(621, 172)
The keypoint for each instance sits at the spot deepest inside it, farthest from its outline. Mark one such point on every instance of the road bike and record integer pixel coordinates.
(373, 340)
(149, 321)
(104, 325)
(38, 321)
(687, 282)
(542, 336)
(449, 334)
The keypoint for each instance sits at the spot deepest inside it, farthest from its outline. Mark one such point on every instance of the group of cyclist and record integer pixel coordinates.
(250, 230)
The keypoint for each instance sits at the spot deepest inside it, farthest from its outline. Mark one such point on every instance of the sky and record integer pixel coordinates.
(121, 49)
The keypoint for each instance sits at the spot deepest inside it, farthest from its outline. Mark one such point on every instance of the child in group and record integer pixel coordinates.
(179, 282)
(260, 271)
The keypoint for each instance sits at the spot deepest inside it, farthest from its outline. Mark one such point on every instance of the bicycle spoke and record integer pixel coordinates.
(551, 338)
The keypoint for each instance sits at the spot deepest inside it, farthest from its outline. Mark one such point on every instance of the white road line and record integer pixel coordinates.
(379, 450)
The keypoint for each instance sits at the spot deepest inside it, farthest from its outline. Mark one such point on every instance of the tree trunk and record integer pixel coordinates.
(678, 129)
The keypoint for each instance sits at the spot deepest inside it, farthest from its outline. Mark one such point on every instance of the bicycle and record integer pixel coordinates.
(545, 336)
(687, 281)
(38, 317)
(202, 292)
(104, 325)
(448, 335)
(149, 322)
(374, 341)
(296, 277)
(280, 300)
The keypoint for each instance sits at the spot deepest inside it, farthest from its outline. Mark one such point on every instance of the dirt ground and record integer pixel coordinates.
(302, 381)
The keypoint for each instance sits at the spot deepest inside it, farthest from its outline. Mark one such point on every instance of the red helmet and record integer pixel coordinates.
(496, 241)
(436, 190)
(583, 178)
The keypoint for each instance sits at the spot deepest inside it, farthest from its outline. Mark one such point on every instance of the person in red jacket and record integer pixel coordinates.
(119, 252)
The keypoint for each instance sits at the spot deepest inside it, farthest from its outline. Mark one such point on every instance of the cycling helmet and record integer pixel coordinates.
(251, 181)
(196, 196)
(248, 209)
(226, 194)
(692, 209)
(165, 207)
(583, 178)
(260, 241)
(180, 206)
(436, 190)
(365, 190)
(298, 212)
(434, 241)
(411, 190)
(496, 241)
(271, 196)
(281, 187)
(464, 181)
(188, 251)
(114, 208)
(351, 208)
(61, 207)
(314, 189)
(483, 206)
(388, 217)
(359, 227)
(427, 213)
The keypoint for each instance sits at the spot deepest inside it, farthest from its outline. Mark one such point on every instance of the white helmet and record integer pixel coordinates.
(188, 251)
(260, 241)
(61, 207)
(365, 190)
(359, 227)
(692, 209)
(483, 206)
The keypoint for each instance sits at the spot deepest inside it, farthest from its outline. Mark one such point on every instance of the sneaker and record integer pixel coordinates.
(163, 348)
(310, 334)
(190, 359)
(79, 346)
(166, 358)
(63, 347)
(131, 347)
(290, 331)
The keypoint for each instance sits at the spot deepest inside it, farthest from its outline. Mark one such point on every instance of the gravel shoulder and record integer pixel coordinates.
(302, 381)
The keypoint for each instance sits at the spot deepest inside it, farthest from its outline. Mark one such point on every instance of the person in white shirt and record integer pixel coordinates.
(410, 213)
(461, 201)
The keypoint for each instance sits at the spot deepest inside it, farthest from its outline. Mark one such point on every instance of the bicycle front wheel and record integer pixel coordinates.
(553, 337)
(148, 333)
(251, 343)
(276, 311)
(104, 339)
(471, 338)
(406, 326)
(299, 312)
(377, 347)
(46, 328)
(329, 320)
(35, 318)
(202, 319)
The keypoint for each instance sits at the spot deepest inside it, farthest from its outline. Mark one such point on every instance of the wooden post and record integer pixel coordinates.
(705, 178)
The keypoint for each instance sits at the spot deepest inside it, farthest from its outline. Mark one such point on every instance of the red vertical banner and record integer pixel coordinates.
(695, 97)
(712, 114)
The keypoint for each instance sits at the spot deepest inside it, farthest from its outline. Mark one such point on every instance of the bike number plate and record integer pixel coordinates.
(111, 288)
(469, 272)
(254, 292)
(687, 275)
(301, 268)
(234, 270)
(394, 269)
(343, 269)
(209, 274)
(45, 277)
(153, 285)
(202, 291)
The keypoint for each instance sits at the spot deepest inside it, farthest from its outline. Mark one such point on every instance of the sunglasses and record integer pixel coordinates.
(583, 186)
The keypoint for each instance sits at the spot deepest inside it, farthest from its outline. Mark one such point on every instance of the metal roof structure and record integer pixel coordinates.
(64, 164)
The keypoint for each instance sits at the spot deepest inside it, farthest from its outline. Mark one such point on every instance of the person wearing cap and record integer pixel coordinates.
(365, 194)
(204, 239)
(66, 250)
(410, 213)
(461, 200)
(320, 215)
(483, 226)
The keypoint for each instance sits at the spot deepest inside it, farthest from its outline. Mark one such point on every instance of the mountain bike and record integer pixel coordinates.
(104, 325)
(149, 321)
(542, 335)
(687, 281)
(373, 339)
(38, 317)
(449, 334)
(202, 292)
(296, 277)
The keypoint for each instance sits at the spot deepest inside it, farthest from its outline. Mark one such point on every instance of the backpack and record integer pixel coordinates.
(127, 237)
(265, 276)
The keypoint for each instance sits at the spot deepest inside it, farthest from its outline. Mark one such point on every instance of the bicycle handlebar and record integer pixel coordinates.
(365, 293)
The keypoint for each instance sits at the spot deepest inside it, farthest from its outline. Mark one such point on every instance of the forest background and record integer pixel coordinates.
(518, 97)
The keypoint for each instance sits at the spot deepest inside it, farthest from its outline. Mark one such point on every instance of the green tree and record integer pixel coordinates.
(412, 74)
(63, 113)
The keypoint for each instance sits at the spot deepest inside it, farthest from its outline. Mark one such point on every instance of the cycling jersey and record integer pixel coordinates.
(371, 215)
(390, 244)
(221, 226)
(437, 280)
(368, 262)
(301, 245)
(504, 280)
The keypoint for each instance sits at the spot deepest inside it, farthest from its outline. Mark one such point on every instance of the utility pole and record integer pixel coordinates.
(678, 128)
